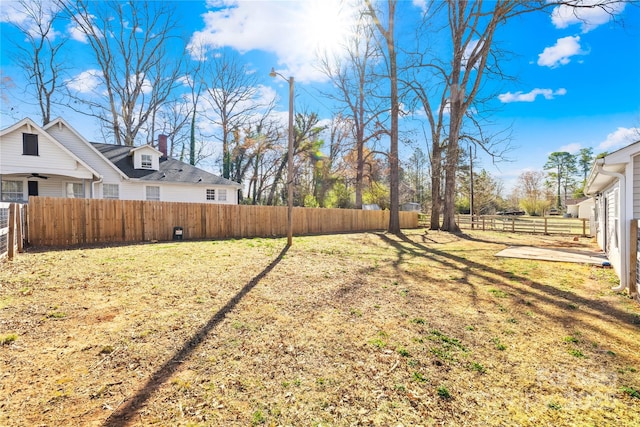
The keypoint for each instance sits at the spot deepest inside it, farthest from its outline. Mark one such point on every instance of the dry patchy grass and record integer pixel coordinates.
(362, 329)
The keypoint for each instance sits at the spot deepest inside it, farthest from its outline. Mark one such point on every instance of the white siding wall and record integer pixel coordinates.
(155, 158)
(51, 159)
(636, 187)
(135, 190)
(86, 152)
(197, 194)
(613, 242)
(54, 186)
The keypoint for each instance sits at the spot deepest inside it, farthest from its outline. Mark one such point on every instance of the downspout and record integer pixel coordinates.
(622, 237)
(93, 188)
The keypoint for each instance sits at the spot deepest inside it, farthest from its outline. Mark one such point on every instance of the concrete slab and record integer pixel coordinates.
(554, 254)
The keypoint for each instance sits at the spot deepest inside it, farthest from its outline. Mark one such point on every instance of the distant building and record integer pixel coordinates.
(410, 207)
(56, 161)
(371, 207)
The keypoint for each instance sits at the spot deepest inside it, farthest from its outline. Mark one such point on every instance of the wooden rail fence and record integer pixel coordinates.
(12, 229)
(519, 224)
(65, 222)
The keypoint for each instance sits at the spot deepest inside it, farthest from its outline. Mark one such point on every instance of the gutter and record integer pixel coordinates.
(623, 240)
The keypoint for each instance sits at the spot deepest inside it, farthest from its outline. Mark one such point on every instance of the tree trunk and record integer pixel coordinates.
(436, 183)
(451, 160)
(359, 167)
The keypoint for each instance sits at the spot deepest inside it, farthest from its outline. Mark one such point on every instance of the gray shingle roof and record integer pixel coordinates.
(171, 170)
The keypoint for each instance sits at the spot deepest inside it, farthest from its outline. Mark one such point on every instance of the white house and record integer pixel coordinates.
(614, 182)
(581, 208)
(56, 161)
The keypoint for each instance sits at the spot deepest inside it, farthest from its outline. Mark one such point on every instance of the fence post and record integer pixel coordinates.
(19, 232)
(633, 261)
(584, 227)
(513, 224)
(11, 238)
(545, 225)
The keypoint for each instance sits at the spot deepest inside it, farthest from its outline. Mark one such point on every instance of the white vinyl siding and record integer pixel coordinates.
(52, 159)
(146, 157)
(86, 152)
(636, 187)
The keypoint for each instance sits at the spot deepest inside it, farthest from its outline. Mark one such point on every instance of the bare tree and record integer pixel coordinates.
(357, 85)
(6, 86)
(233, 94)
(306, 134)
(436, 113)
(416, 172)
(532, 192)
(471, 26)
(39, 52)
(387, 32)
(333, 165)
(130, 41)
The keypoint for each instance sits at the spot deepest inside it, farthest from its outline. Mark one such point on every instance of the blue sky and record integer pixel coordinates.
(578, 78)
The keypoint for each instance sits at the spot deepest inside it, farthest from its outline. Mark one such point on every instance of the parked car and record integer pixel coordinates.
(554, 211)
(513, 212)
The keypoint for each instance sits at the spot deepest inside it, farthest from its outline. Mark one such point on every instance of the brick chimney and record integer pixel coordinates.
(162, 144)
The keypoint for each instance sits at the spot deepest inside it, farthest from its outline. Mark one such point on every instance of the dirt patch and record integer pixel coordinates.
(362, 329)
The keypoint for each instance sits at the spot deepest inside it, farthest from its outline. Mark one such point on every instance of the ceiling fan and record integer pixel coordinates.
(37, 175)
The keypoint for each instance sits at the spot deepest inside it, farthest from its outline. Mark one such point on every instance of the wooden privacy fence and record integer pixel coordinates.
(12, 229)
(63, 222)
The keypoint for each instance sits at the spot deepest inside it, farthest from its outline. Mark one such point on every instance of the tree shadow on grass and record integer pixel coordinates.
(124, 414)
(547, 294)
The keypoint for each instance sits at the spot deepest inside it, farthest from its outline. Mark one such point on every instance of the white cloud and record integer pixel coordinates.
(468, 51)
(294, 31)
(530, 96)
(75, 33)
(619, 138)
(572, 148)
(85, 82)
(14, 12)
(561, 52)
(421, 4)
(589, 16)
(145, 84)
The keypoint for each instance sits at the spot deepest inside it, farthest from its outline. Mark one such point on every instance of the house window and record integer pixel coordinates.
(211, 194)
(146, 161)
(153, 193)
(75, 190)
(12, 191)
(29, 144)
(222, 195)
(111, 191)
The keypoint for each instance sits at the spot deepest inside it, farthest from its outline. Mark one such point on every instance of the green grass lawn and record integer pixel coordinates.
(353, 329)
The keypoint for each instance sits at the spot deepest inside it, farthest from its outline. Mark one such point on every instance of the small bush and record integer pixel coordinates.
(8, 339)
(631, 392)
(443, 392)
